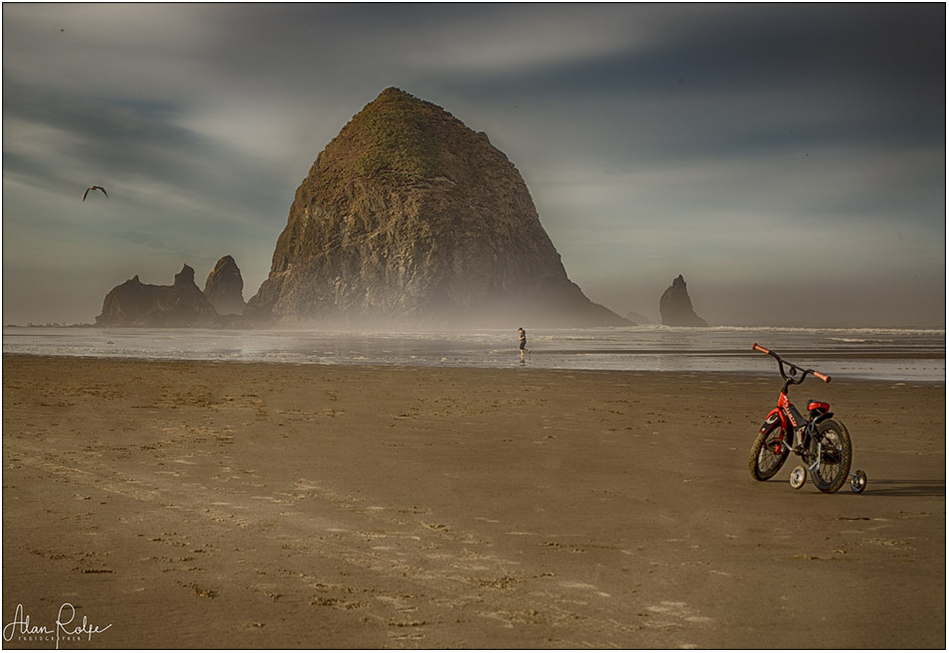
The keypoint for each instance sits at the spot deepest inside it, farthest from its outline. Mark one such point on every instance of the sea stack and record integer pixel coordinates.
(675, 306)
(225, 287)
(410, 218)
(181, 304)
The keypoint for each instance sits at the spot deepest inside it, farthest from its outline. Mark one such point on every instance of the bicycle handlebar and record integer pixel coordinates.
(781, 363)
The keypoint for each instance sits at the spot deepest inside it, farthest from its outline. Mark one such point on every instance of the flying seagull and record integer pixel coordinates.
(94, 188)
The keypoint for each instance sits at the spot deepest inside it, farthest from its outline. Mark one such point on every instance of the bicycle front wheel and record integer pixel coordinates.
(767, 454)
(833, 453)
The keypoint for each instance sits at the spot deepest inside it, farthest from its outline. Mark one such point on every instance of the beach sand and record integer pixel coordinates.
(206, 505)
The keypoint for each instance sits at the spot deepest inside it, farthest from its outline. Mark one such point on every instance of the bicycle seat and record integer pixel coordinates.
(818, 405)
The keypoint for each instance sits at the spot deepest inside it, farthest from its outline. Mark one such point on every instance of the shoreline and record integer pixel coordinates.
(870, 354)
(837, 377)
(504, 327)
(512, 367)
(269, 505)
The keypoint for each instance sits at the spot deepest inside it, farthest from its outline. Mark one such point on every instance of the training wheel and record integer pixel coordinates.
(798, 477)
(858, 481)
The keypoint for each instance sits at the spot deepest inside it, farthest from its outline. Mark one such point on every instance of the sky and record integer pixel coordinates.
(789, 160)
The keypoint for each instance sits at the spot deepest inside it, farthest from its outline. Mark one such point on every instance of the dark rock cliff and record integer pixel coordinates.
(134, 303)
(225, 287)
(675, 306)
(408, 217)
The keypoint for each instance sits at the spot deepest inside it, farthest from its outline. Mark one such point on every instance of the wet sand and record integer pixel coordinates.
(218, 505)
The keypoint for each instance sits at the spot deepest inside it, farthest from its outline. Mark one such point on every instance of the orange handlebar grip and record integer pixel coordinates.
(822, 377)
(758, 347)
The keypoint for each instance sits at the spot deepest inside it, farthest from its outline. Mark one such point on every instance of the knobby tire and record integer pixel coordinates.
(834, 468)
(765, 464)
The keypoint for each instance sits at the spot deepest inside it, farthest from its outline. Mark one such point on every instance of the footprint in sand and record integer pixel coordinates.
(584, 586)
(679, 611)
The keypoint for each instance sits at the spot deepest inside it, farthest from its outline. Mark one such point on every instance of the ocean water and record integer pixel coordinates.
(899, 355)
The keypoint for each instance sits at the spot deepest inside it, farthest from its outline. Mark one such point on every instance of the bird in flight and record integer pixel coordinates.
(94, 188)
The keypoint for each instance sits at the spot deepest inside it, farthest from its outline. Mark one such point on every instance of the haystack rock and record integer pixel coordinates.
(134, 303)
(225, 287)
(410, 218)
(675, 306)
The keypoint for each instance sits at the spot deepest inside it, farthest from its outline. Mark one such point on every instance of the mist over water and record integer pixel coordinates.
(881, 354)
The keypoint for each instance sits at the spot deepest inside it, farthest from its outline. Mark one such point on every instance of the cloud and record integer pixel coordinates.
(126, 143)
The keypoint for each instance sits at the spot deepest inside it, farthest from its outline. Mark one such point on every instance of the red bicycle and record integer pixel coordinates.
(823, 443)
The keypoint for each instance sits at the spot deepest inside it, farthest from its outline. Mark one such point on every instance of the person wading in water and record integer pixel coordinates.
(522, 335)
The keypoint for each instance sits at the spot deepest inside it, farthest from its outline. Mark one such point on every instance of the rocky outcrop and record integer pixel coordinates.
(134, 303)
(225, 287)
(675, 306)
(409, 217)
(637, 318)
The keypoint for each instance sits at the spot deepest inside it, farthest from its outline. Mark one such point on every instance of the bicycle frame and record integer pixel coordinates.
(790, 418)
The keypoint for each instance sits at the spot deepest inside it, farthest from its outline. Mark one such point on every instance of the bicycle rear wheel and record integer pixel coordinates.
(833, 455)
(767, 454)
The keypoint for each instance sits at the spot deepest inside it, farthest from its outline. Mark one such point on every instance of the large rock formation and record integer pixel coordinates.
(225, 287)
(675, 306)
(134, 303)
(410, 218)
